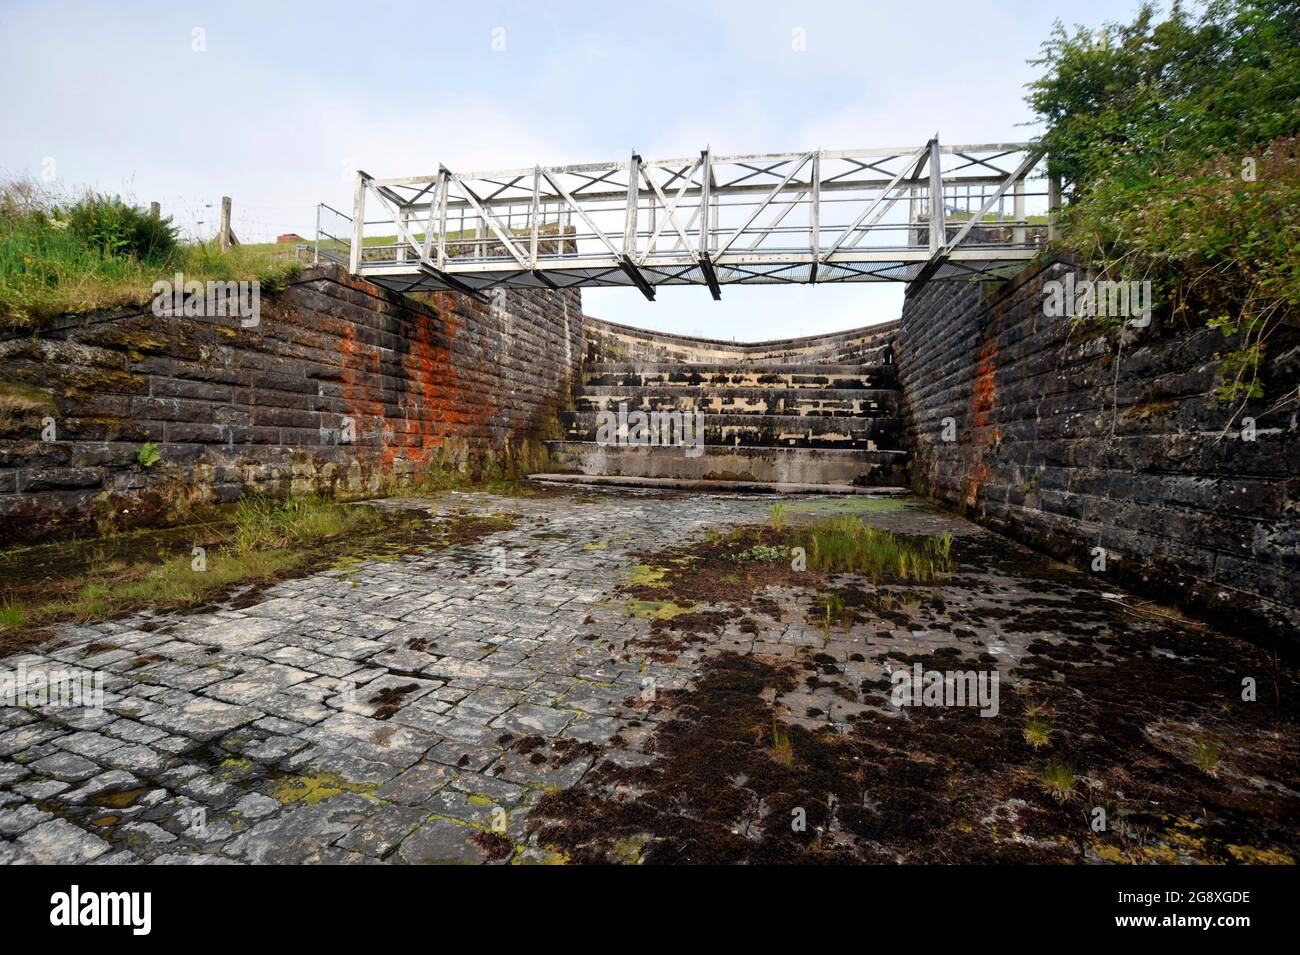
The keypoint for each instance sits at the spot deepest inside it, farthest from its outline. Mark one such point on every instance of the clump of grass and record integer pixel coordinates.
(846, 545)
(909, 608)
(1207, 752)
(12, 613)
(778, 517)
(1057, 780)
(262, 523)
(1038, 732)
(943, 546)
(782, 745)
(833, 611)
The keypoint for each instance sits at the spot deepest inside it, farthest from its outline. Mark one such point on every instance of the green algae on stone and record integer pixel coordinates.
(653, 609)
(317, 788)
(643, 575)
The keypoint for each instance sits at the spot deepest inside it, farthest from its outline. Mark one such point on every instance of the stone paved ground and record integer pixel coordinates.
(374, 713)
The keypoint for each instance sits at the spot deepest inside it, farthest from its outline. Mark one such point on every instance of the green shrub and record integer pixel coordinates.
(1125, 102)
(116, 228)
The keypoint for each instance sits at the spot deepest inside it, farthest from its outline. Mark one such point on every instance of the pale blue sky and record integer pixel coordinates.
(286, 101)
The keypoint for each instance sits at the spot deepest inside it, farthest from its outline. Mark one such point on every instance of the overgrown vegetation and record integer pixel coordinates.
(62, 255)
(257, 542)
(847, 545)
(109, 577)
(1176, 140)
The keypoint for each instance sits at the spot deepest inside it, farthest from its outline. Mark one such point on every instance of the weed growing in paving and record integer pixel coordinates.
(1038, 732)
(1057, 780)
(1208, 752)
(845, 545)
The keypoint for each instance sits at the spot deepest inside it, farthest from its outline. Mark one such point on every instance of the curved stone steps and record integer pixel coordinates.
(817, 377)
(870, 403)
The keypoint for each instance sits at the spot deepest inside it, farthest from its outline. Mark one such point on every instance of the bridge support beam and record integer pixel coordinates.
(710, 277)
(632, 272)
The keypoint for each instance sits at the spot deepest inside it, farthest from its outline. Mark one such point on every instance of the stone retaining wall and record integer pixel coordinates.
(460, 384)
(1070, 441)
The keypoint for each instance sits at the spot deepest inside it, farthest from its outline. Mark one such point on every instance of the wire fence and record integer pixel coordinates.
(198, 219)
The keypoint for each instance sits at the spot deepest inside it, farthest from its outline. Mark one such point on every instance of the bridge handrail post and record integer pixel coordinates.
(938, 219)
(1053, 204)
(1018, 210)
(358, 223)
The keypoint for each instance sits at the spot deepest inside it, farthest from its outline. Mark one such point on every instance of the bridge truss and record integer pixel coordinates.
(805, 217)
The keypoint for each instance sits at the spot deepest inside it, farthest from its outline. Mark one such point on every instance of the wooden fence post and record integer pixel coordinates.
(226, 237)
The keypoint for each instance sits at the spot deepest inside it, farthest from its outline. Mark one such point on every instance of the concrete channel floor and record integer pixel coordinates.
(376, 712)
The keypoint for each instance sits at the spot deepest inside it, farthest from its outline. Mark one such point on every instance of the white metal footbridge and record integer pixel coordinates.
(912, 214)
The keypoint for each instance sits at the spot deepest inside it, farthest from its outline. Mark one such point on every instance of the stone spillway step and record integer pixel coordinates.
(818, 377)
(704, 484)
(765, 430)
(853, 402)
(767, 465)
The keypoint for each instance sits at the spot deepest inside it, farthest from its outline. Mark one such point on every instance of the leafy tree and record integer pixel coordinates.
(1129, 101)
(1176, 140)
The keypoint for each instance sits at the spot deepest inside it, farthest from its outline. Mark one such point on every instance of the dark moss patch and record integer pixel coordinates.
(1128, 716)
(494, 845)
(719, 791)
(391, 698)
